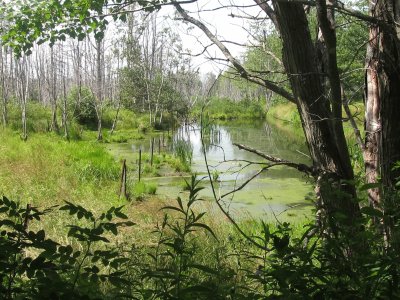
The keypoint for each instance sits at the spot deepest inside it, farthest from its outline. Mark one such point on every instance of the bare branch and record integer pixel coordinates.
(269, 11)
(300, 167)
(352, 121)
(249, 180)
(237, 65)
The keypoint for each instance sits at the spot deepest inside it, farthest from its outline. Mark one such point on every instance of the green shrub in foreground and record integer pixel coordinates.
(270, 262)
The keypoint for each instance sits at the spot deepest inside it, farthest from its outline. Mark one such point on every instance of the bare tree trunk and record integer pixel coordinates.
(65, 104)
(325, 140)
(23, 84)
(372, 118)
(99, 92)
(53, 91)
(3, 87)
(114, 124)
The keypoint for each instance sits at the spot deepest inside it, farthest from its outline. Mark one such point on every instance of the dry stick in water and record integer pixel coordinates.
(122, 190)
(152, 152)
(140, 163)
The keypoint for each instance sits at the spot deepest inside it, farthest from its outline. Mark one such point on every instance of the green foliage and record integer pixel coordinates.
(226, 109)
(36, 267)
(92, 163)
(183, 150)
(188, 259)
(173, 267)
(352, 37)
(81, 106)
(141, 188)
(127, 119)
(52, 21)
(38, 117)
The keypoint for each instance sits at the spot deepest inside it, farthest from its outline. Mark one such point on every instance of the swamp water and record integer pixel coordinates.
(278, 192)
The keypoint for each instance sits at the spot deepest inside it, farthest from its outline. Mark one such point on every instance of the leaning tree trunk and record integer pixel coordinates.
(329, 154)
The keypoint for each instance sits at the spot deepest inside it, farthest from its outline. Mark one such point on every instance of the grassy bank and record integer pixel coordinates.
(47, 171)
(226, 109)
(286, 116)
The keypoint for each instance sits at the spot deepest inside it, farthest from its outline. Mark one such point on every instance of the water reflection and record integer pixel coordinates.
(274, 190)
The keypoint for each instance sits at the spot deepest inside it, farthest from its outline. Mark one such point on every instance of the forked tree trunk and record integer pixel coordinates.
(324, 137)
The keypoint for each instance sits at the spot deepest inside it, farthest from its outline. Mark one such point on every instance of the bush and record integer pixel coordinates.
(127, 119)
(82, 108)
(187, 259)
(52, 270)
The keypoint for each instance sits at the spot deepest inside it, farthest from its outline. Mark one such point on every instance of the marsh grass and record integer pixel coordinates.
(183, 150)
(48, 170)
(226, 109)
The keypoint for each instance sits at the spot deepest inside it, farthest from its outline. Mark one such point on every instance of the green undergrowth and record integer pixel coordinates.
(188, 254)
(286, 116)
(129, 125)
(184, 254)
(226, 109)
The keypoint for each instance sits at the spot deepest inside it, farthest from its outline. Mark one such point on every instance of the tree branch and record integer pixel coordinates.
(300, 167)
(236, 64)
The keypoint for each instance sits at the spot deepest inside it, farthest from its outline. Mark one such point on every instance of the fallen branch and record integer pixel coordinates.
(300, 167)
(246, 182)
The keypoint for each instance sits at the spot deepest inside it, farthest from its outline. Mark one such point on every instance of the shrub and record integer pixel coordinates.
(52, 270)
(82, 108)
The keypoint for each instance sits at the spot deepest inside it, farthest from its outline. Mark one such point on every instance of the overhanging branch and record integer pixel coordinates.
(300, 167)
(236, 64)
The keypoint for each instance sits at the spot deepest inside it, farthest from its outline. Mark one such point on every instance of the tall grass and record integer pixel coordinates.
(183, 150)
(226, 109)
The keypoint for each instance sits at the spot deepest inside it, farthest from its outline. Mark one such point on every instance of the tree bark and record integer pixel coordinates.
(323, 132)
(4, 93)
(382, 94)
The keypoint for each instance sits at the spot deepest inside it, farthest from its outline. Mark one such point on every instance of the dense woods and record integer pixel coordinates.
(116, 71)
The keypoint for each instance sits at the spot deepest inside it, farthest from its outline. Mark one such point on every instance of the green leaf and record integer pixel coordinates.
(173, 208)
(40, 235)
(121, 215)
(3, 209)
(368, 186)
(204, 226)
(370, 211)
(204, 269)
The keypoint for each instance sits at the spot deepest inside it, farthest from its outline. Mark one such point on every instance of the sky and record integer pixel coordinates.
(220, 23)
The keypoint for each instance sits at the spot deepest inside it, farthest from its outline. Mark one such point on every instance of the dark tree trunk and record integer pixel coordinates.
(324, 132)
